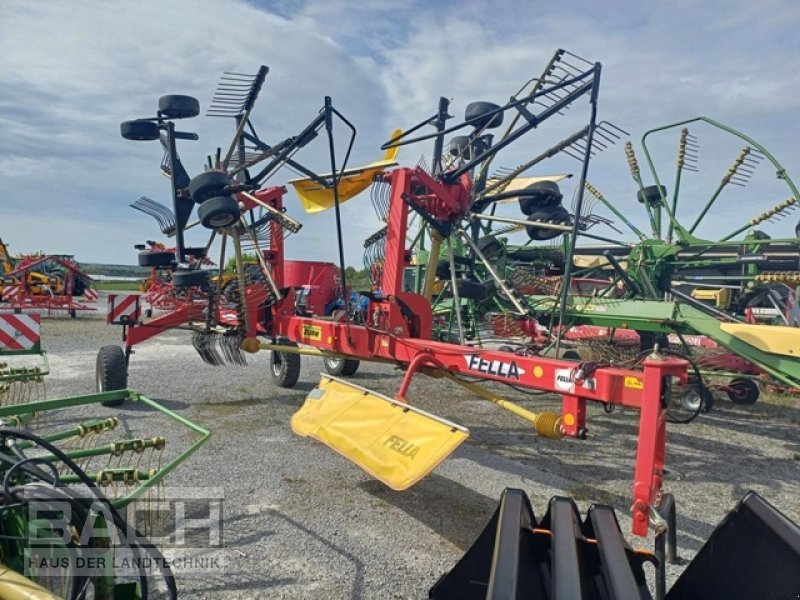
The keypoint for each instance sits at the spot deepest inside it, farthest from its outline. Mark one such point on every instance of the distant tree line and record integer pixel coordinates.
(356, 279)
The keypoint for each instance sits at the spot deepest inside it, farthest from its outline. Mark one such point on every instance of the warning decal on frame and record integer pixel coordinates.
(311, 332)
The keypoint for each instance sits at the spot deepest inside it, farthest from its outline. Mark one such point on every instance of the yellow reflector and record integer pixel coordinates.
(775, 339)
(394, 442)
(315, 198)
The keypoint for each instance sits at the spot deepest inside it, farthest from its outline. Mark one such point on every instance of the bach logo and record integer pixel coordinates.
(184, 525)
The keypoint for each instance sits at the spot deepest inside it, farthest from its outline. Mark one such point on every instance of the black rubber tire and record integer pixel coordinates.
(475, 290)
(345, 367)
(542, 194)
(196, 277)
(697, 396)
(140, 130)
(207, 185)
(554, 214)
(443, 267)
(156, 258)
(111, 372)
(651, 195)
(176, 106)
(459, 146)
(198, 252)
(490, 247)
(571, 355)
(78, 287)
(218, 212)
(743, 391)
(284, 368)
(476, 114)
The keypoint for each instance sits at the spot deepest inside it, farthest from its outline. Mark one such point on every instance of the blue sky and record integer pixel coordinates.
(70, 72)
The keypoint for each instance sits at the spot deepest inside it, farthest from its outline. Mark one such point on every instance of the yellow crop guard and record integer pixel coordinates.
(394, 442)
(316, 198)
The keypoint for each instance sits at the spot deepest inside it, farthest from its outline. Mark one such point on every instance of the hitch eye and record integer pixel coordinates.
(140, 130)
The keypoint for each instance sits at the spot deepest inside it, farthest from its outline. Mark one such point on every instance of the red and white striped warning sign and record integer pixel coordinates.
(155, 298)
(123, 308)
(11, 292)
(90, 295)
(19, 332)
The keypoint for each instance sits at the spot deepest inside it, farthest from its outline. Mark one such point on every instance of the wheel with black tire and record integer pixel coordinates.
(208, 185)
(345, 367)
(557, 215)
(542, 194)
(78, 287)
(459, 146)
(652, 195)
(284, 367)
(140, 130)
(192, 278)
(478, 114)
(462, 264)
(475, 290)
(220, 211)
(156, 258)
(743, 391)
(111, 372)
(176, 106)
(697, 397)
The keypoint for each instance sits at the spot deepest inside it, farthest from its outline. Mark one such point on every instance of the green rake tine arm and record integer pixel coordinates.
(677, 186)
(114, 474)
(150, 481)
(94, 425)
(205, 434)
(707, 207)
(635, 173)
(780, 171)
(114, 448)
(778, 208)
(596, 193)
(70, 401)
(725, 181)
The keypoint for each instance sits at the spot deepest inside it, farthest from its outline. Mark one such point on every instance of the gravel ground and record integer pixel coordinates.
(301, 522)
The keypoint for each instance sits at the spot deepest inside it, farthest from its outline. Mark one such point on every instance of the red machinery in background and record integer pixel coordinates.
(46, 284)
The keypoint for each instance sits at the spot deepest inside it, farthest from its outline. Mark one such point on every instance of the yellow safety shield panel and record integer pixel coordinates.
(519, 183)
(315, 198)
(394, 442)
(775, 339)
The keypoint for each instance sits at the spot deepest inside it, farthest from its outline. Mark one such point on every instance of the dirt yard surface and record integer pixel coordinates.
(302, 522)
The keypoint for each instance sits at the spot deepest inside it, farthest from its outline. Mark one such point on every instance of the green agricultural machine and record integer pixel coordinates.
(83, 492)
(729, 303)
